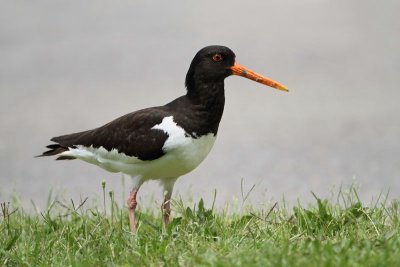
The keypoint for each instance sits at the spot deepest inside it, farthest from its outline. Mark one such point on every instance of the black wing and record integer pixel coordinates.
(131, 134)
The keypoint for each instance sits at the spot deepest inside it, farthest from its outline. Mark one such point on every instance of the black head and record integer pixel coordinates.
(211, 64)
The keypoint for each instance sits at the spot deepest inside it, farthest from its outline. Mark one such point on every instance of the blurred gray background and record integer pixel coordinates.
(67, 66)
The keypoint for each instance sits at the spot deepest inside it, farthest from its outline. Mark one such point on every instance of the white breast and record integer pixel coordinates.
(182, 155)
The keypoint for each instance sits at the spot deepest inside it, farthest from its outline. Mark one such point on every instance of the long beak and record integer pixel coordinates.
(239, 70)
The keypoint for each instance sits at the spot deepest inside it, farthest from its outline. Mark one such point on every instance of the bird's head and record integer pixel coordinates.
(215, 63)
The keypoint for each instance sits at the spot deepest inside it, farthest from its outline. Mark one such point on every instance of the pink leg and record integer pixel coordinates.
(166, 206)
(131, 209)
(166, 210)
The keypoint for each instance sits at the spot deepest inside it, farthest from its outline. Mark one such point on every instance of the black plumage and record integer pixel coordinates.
(130, 134)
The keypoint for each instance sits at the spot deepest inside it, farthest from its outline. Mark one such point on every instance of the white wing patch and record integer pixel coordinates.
(176, 134)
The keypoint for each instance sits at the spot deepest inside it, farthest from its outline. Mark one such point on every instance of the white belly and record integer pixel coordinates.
(182, 155)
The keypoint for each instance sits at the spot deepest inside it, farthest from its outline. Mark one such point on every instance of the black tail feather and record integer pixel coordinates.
(55, 149)
(65, 158)
(62, 144)
(53, 146)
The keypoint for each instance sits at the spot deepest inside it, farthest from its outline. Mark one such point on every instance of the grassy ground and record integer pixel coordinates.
(326, 233)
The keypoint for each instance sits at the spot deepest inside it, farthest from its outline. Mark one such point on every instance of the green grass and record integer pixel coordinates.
(325, 233)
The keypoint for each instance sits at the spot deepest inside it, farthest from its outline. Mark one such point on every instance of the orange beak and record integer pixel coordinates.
(239, 70)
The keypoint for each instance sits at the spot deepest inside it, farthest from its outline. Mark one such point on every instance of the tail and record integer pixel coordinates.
(63, 143)
(55, 149)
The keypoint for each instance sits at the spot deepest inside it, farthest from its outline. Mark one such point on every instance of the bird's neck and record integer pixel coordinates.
(208, 100)
(209, 95)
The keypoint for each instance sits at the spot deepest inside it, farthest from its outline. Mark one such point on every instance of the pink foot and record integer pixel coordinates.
(131, 202)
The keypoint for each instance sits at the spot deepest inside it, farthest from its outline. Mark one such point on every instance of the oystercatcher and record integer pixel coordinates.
(162, 143)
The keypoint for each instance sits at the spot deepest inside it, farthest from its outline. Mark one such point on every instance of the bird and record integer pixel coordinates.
(163, 142)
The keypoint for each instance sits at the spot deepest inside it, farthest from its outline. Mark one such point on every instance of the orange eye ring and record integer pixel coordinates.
(217, 57)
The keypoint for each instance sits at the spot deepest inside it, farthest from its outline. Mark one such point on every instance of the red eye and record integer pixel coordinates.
(217, 57)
